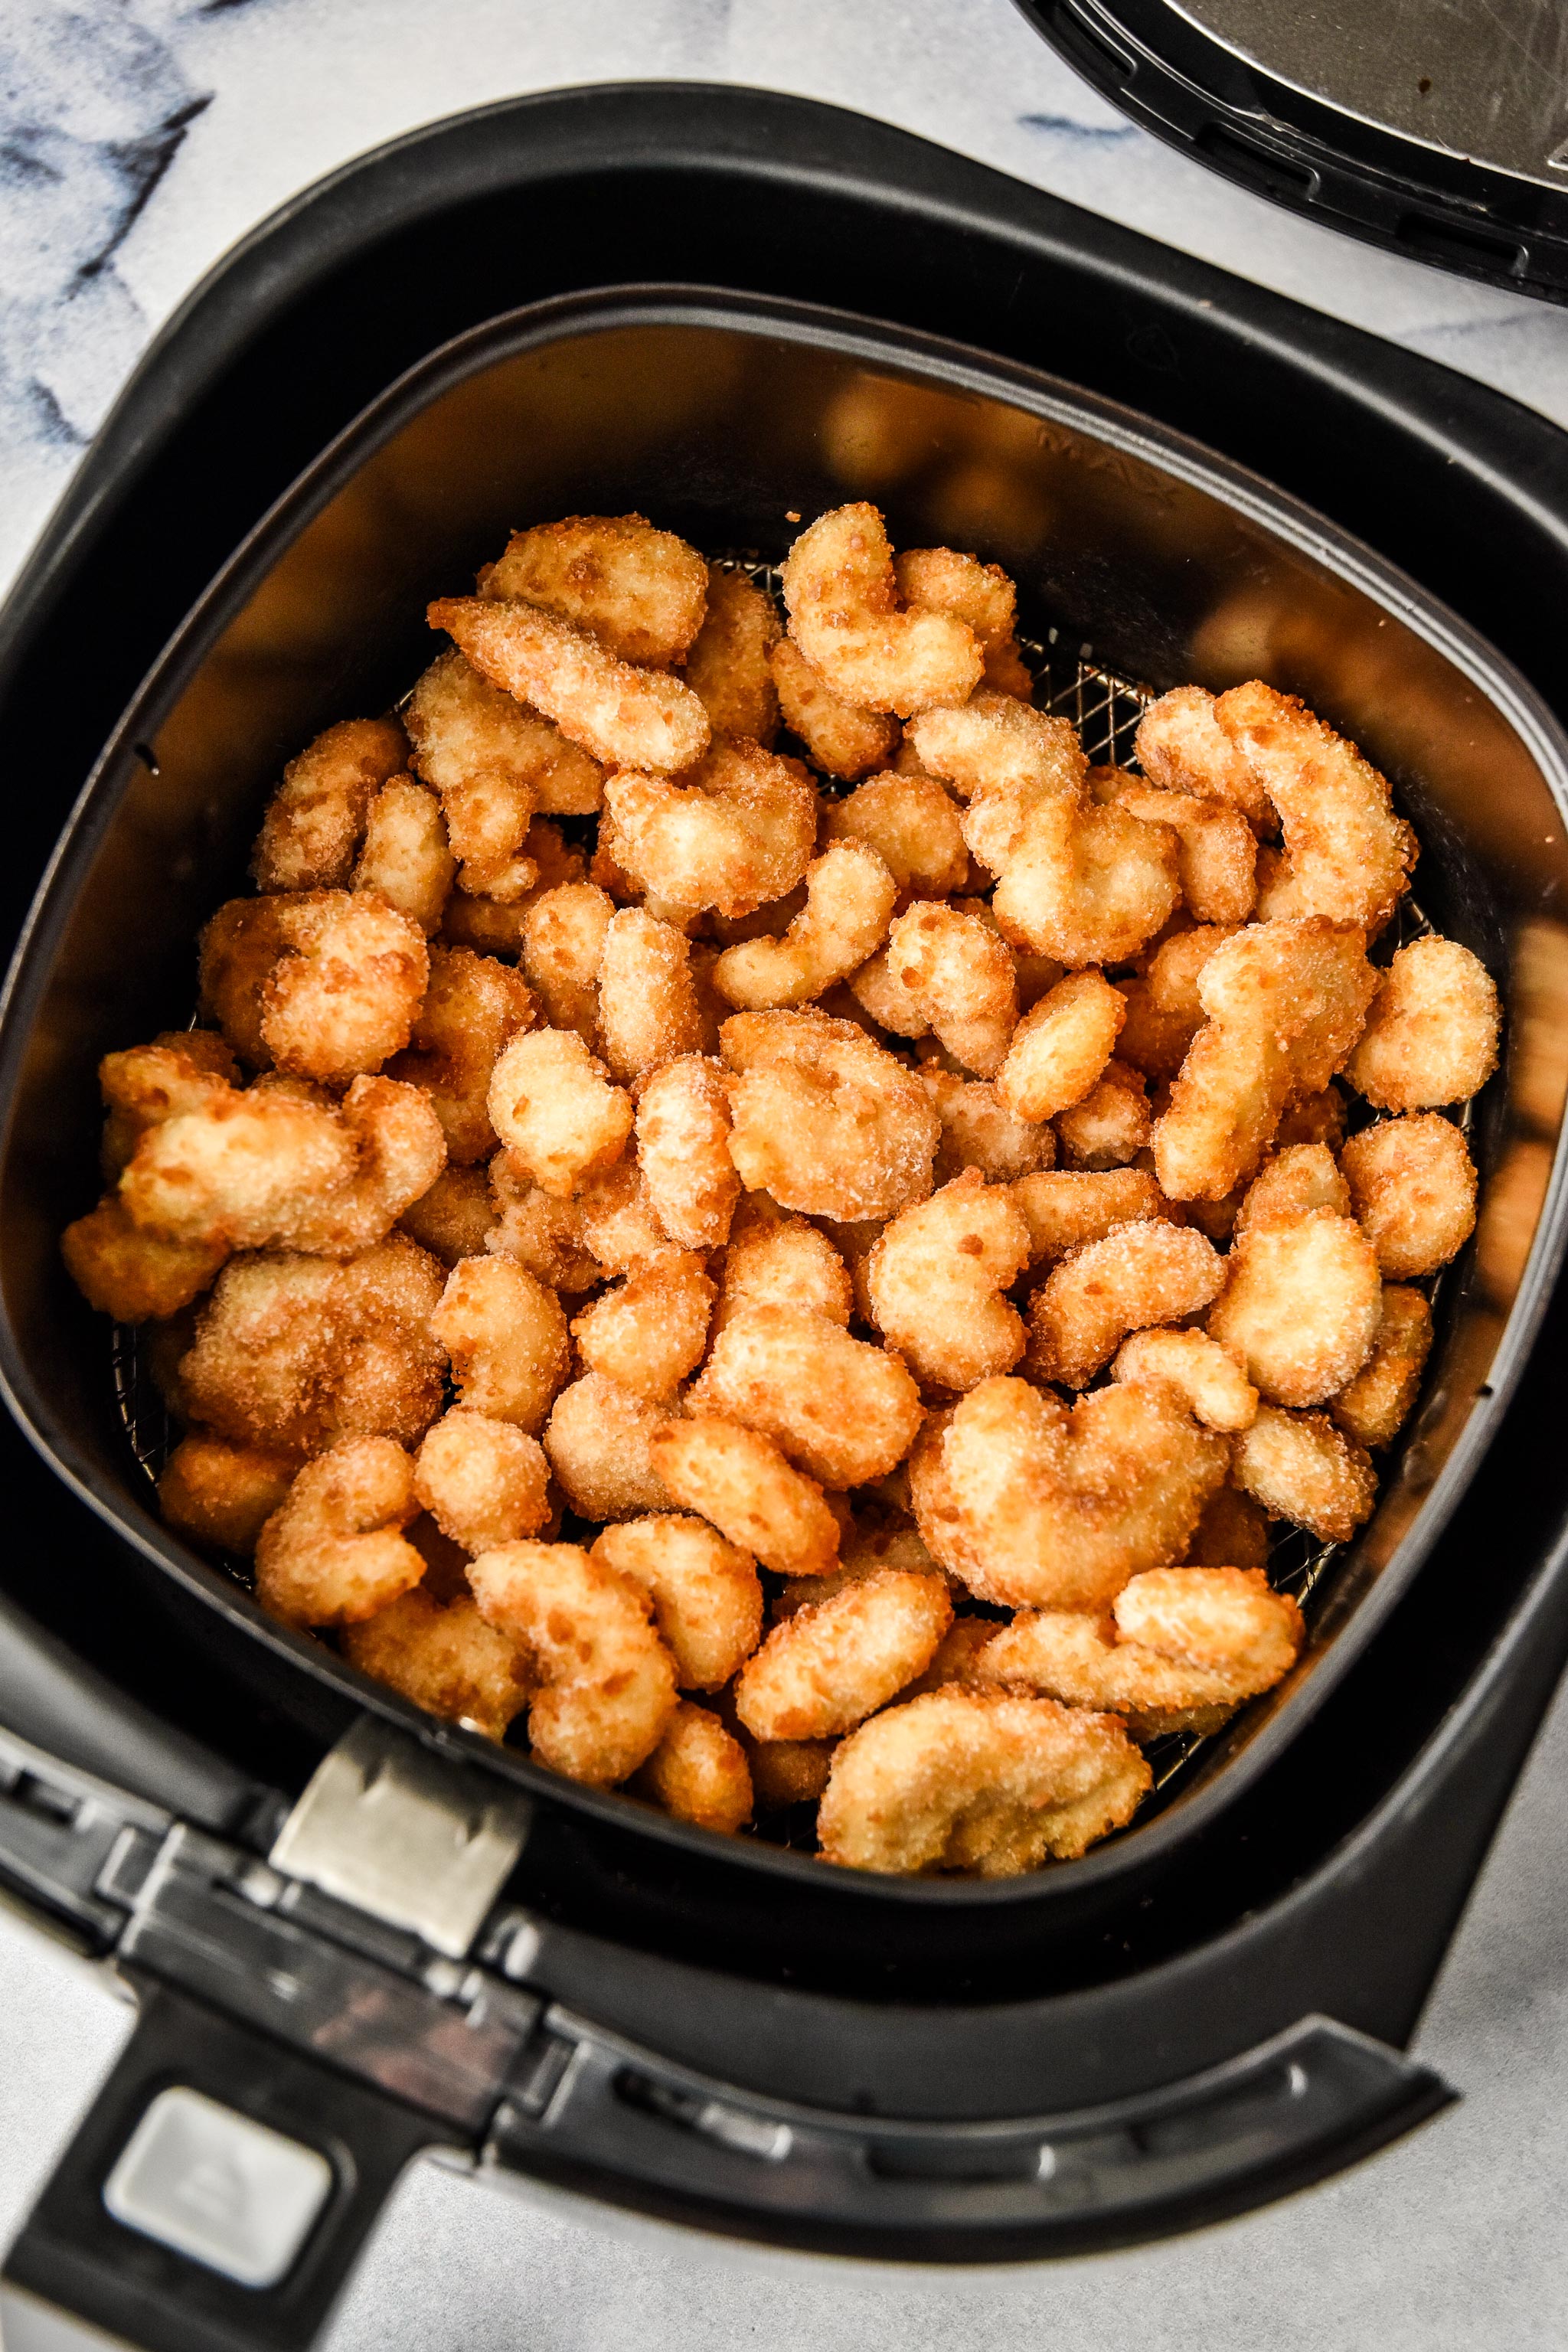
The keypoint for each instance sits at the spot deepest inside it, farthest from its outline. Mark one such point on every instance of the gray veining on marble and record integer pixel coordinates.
(138, 138)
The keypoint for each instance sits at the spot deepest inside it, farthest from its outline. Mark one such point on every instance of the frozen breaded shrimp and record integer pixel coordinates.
(847, 616)
(1233, 1532)
(495, 763)
(1214, 1389)
(1350, 856)
(543, 1234)
(599, 1439)
(842, 1410)
(980, 1782)
(1301, 1306)
(737, 1479)
(979, 1131)
(939, 580)
(334, 1551)
(728, 666)
(698, 1773)
(958, 977)
(235, 1171)
(683, 1151)
(1431, 1036)
(1182, 747)
(505, 1335)
(1371, 1408)
(849, 905)
(483, 1480)
(619, 1221)
(841, 739)
(623, 716)
(1290, 1185)
(1217, 851)
(1110, 1125)
(315, 821)
(824, 1119)
(181, 1070)
(1300, 1467)
(564, 934)
(406, 857)
(913, 825)
(641, 591)
(1285, 1001)
(1412, 1187)
(1056, 1509)
(1164, 1012)
(131, 1273)
(936, 1280)
(779, 1260)
(707, 1601)
(442, 1656)
(605, 1685)
(648, 1334)
(1138, 1275)
(1059, 1049)
(345, 992)
(649, 1010)
(1063, 1210)
(473, 1007)
(552, 1104)
(834, 1662)
(220, 1493)
(731, 835)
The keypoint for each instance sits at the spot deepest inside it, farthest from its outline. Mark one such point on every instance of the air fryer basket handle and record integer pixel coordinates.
(339, 2150)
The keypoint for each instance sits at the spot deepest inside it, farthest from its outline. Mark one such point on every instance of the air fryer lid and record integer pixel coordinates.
(1437, 127)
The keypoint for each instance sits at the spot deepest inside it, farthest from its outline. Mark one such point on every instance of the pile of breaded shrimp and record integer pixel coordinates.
(807, 1275)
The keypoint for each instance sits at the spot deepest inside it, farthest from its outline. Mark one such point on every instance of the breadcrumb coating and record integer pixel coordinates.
(334, 1552)
(843, 1411)
(737, 1479)
(483, 1481)
(834, 1662)
(683, 1151)
(1300, 1467)
(936, 1279)
(622, 716)
(848, 620)
(824, 1119)
(1413, 1186)
(315, 821)
(1350, 856)
(642, 593)
(707, 1601)
(728, 668)
(913, 825)
(698, 1773)
(1137, 1275)
(1373, 1408)
(841, 739)
(1431, 1036)
(443, 1656)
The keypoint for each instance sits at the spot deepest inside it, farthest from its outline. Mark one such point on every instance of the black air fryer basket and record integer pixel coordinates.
(372, 1933)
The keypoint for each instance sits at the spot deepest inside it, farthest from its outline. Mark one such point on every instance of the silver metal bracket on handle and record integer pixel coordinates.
(414, 1839)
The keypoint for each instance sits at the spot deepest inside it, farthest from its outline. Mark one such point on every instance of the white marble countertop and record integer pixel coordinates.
(140, 138)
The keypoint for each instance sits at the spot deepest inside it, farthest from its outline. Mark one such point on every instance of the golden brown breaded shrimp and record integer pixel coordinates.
(649, 1010)
(780, 1260)
(483, 1481)
(1111, 1124)
(849, 905)
(345, 992)
(1163, 1010)
(442, 1656)
(1182, 747)
(473, 1007)
(182, 1070)
(978, 1780)
(727, 667)
(1232, 1533)
(824, 1119)
(219, 1493)
(505, 1335)
(731, 834)
(1059, 1049)
(739, 1479)
(239, 946)
(1216, 853)
(1372, 1407)
(1413, 1186)
(834, 1662)
(606, 1683)
(936, 1280)
(625, 717)
(1136, 1276)
(842, 739)
(843, 1411)
(406, 857)
(1301, 1306)
(564, 934)
(683, 1151)
(979, 1131)
(846, 616)
(544, 1234)
(315, 820)
(131, 1273)
(551, 1103)
(1056, 1508)
(1063, 1210)
(641, 591)
(957, 975)
(1350, 856)
(495, 763)
(1291, 1183)
(707, 1601)
(648, 1334)
(1431, 1036)
(334, 1551)
(698, 1773)
(1214, 1389)
(939, 580)
(1285, 1002)
(599, 1439)
(619, 1223)
(1300, 1467)
(913, 825)
(237, 1172)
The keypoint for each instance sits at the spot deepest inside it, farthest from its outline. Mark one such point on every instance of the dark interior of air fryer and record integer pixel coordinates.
(1131, 580)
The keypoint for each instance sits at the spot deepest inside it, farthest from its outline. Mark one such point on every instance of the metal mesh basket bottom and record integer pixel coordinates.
(1105, 707)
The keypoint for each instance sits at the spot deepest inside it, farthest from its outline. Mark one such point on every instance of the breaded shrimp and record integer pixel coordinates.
(552, 1104)
(849, 905)
(728, 666)
(1300, 1307)
(443, 1656)
(1136, 1276)
(1431, 1036)
(698, 1773)
(913, 825)
(650, 1333)
(834, 1662)
(1372, 1407)
(841, 738)
(315, 820)
(599, 1439)
(625, 717)
(936, 1280)
(707, 1601)
(483, 1481)
(957, 975)
(731, 834)
(1413, 1186)
(642, 593)
(334, 1551)
(683, 1151)
(739, 1479)
(847, 617)
(505, 1335)
(841, 1410)
(824, 1119)
(1300, 1467)
(1059, 1049)
(473, 1007)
